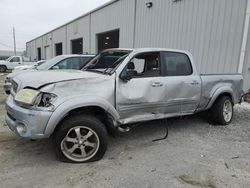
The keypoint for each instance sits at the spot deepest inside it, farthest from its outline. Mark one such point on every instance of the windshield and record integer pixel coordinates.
(106, 61)
(8, 59)
(47, 65)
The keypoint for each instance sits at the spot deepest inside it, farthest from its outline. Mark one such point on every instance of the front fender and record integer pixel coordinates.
(4, 64)
(219, 91)
(82, 101)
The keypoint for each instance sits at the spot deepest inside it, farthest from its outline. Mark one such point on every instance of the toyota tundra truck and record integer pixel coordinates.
(118, 88)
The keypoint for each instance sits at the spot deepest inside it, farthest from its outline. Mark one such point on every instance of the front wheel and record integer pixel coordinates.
(80, 139)
(222, 111)
(3, 68)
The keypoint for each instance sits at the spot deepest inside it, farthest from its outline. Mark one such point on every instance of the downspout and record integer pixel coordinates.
(244, 40)
(134, 29)
(90, 20)
(66, 41)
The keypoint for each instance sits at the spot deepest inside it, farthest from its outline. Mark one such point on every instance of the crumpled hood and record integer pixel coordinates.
(39, 79)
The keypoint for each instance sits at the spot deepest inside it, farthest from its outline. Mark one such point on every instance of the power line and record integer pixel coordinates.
(8, 46)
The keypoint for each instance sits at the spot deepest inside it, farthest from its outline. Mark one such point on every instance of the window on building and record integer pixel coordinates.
(58, 49)
(77, 46)
(39, 54)
(107, 40)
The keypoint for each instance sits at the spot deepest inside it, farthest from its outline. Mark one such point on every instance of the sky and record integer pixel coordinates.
(32, 18)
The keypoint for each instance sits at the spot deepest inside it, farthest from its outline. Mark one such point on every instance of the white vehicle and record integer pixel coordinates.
(76, 62)
(12, 62)
(27, 67)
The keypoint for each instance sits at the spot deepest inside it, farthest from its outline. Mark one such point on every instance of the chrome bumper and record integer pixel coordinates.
(24, 122)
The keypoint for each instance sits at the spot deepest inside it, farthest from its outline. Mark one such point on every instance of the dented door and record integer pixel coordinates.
(142, 97)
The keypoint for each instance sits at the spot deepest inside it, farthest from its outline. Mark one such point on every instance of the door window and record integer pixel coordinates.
(15, 59)
(69, 63)
(176, 64)
(144, 65)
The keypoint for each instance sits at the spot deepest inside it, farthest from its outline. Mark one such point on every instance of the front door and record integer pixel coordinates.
(15, 61)
(142, 97)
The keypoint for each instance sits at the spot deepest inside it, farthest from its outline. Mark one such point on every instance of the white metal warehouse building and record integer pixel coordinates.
(216, 32)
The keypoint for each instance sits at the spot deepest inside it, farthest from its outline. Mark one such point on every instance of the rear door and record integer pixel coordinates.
(183, 86)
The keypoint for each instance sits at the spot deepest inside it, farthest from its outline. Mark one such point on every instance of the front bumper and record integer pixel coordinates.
(7, 87)
(24, 122)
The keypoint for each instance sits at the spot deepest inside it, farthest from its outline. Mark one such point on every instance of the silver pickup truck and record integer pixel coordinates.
(117, 88)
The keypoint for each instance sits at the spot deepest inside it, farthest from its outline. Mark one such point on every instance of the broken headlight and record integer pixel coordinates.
(45, 100)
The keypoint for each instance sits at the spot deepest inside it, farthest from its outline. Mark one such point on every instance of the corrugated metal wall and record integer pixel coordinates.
(47, 44)
(119, 15)
(78, 29)
(33, 50)
(246, 68)
(58, 36)
(210, 29)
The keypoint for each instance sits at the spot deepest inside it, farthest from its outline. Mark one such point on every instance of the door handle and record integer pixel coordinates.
(157, 84)
(194, 83)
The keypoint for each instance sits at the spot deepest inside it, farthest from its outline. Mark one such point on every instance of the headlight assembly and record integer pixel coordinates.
(34, 99)
(27, 96)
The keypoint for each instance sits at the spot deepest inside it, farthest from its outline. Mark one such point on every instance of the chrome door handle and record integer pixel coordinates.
(157, 84)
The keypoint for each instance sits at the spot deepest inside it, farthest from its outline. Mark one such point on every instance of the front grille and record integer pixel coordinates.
(11, 117)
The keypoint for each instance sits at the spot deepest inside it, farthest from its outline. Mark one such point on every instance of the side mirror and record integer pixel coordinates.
(55, 68)
(125, 76)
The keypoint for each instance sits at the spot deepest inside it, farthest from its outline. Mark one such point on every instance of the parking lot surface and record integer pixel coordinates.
(195, 154)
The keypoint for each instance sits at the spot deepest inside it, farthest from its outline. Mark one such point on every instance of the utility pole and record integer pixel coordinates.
(14, 36)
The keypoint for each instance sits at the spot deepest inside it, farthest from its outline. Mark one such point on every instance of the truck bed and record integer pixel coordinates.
(211, 83)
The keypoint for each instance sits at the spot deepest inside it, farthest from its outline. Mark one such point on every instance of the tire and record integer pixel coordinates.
(220, 115)
(3, 68)
(80, 139)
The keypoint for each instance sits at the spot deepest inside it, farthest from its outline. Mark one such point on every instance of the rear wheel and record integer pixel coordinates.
(222, 111)
(80, 139)
(3, 68)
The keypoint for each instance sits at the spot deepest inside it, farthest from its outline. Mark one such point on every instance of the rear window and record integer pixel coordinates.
(176, 64)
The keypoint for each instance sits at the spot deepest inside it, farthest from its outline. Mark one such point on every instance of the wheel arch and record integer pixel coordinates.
(219, 93)
(103, 110)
